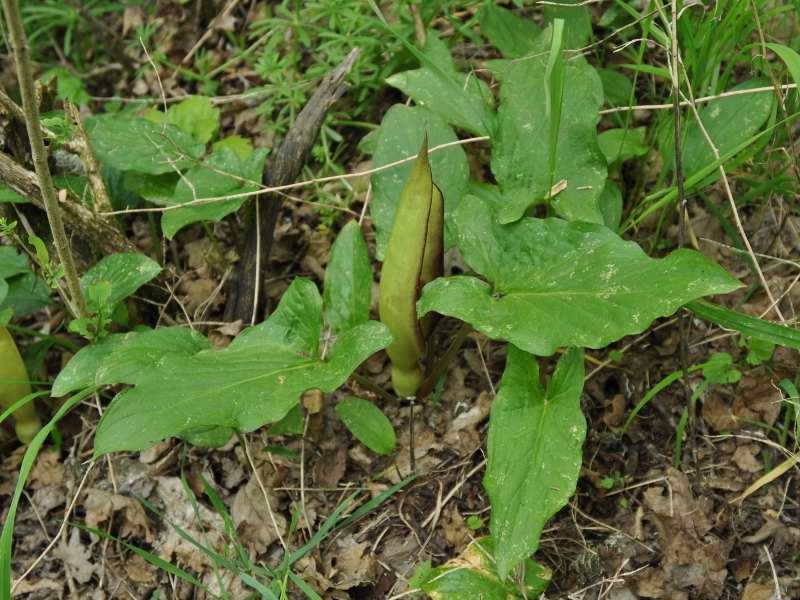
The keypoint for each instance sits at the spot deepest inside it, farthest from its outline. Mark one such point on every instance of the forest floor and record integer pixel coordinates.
(637, 527)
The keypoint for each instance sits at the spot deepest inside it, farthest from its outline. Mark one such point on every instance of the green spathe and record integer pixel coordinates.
(414, 257)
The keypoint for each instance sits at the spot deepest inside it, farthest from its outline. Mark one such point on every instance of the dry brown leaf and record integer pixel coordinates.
(101, 505)
(746, 459)
(254, 516)
(352, 564)
(757, 398)
(454, 528)
(30, 586)
(47, 470)
(678, 503)
(330, 467)
(140, 571)
(197, 252)
(758, 591)
(768, 529)
(200, 292)
(178, 510)
(77, 557)
(718, 414)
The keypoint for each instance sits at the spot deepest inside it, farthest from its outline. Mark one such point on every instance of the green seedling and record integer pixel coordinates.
(414, 257)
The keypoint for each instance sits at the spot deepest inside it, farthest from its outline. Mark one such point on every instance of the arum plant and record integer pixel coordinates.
(15, 391)
(414, 257)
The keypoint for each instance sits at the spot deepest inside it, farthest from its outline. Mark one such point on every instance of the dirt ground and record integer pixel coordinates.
(723, 526)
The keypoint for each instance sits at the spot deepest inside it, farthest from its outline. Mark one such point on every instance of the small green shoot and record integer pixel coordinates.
(367, 423)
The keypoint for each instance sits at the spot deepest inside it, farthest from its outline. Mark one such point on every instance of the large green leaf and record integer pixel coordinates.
(521, 159)
(729, 121)
(400, 136)
(534, 451)
(126, 273)
(348, 280)
(556, 283)
(217, 176)
(461, 99)
(254, 381)
(123, 357)
(515, 36)
(135, 143)
(26, 293)
(12, 262)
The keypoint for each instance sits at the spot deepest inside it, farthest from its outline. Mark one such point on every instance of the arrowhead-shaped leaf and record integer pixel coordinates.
(254, 381)
(521, 159)
(556, 283)
(463, 100)
(534, 451)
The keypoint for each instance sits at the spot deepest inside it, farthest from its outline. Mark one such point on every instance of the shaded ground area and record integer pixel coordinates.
(716, 528)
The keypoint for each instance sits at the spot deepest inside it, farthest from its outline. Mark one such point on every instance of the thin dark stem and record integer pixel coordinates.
(683, 322)
(444, 362)
(366, 383)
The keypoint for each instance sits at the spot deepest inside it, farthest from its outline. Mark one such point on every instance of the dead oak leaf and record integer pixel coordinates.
(77, 557)
(100, 505)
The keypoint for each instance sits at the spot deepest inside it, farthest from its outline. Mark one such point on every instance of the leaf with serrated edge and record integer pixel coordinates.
(254, 381)
(534, 451)
(555, 283)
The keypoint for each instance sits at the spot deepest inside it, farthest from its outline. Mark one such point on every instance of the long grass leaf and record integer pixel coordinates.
(24, 471)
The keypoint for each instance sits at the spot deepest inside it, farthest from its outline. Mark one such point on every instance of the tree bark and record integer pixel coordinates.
(97, 231)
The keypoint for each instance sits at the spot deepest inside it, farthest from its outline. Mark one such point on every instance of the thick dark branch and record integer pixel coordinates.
(243, 299)
(97, 231)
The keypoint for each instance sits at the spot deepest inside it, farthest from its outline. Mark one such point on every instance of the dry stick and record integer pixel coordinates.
(100, 199)
(284, 169)
(702, 99)
(22, 61)
(98, 231)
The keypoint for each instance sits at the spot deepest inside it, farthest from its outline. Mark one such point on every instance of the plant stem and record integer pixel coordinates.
(444, 362)
(366, 383)
(21, 53)
(56, 340)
